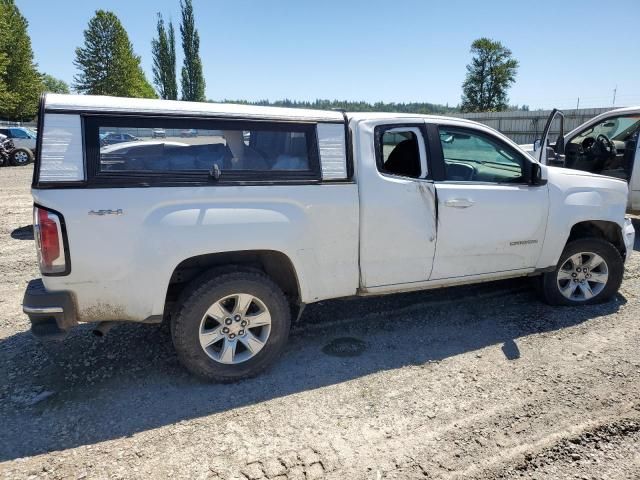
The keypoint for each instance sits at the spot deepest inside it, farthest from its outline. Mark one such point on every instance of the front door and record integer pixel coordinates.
(490, 218)
(545, 153)
(397, 204)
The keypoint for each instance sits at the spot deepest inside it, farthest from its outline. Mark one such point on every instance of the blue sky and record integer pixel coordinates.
(374, 50)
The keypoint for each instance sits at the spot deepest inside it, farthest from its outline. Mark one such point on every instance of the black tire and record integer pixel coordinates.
(549, 283)
(20, 156)
(201, 294)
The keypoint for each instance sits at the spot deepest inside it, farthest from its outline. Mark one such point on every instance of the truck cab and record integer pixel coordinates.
(227, 235)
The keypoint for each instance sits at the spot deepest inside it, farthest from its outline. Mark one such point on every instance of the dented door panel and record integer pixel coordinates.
(397, 219)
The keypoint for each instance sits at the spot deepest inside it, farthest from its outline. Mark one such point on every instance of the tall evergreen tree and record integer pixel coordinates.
(192, 78)
(6, 99)
(489, 75)
(172, 60)
(107, 63)
(20, 82)
(163, 50)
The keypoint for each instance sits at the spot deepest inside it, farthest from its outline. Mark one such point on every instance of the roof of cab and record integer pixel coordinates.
(103, 104)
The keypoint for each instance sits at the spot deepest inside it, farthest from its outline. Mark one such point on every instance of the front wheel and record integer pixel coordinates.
(231, 326)
(21, 156)
(590, 271)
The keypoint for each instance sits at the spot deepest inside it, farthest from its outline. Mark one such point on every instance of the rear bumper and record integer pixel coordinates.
(629, 236)
(52, 314)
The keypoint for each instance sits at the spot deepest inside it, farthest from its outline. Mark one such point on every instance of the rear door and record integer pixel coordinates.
(490, 218)
(397, 203)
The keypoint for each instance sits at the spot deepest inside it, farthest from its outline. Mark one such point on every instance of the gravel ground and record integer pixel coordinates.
(479, 382)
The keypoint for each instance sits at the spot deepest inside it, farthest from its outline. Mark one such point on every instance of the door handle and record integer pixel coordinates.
(459, 203)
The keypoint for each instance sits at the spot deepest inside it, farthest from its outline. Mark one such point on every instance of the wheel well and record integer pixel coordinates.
(609, 231)
(275, 264)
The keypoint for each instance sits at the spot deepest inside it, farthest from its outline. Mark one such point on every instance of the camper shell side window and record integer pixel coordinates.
(128, 150)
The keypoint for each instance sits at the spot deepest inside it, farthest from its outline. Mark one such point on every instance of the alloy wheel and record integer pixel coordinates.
(235, 328)
(583, 276)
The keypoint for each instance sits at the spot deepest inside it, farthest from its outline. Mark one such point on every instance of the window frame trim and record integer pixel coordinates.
(91, 123)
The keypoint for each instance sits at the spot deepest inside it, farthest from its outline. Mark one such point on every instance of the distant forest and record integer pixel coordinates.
(414, 107)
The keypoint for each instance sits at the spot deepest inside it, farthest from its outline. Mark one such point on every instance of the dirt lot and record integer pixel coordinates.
(481, 382)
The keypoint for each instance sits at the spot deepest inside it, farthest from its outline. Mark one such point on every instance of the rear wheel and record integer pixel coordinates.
(590, 271)
(20, 156)
(231, 326)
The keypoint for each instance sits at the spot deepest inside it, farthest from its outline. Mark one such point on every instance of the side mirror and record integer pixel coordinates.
(535, 177)
(536, 145)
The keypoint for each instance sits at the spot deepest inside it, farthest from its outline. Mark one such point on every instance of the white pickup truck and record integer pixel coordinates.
(229, 233)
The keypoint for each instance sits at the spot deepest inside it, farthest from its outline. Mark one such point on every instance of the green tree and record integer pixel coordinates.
(163, 50)
(107, 63)
(20, 82)
(6, 100)
(192, 78)
(53, 84)
(489, 75)
(353, 106)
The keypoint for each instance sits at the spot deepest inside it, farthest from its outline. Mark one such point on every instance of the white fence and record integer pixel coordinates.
(526, 127)
(6, 123)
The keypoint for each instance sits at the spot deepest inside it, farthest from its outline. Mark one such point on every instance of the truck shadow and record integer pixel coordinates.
(89, 390)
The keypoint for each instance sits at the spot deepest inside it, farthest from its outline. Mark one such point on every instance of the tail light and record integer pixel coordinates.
(48, 231)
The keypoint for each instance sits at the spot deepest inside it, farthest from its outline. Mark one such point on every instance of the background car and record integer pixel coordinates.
(605, 145)
(111, 138)
(24, 141)
(191, 132)
(21, 137)
(159, 133)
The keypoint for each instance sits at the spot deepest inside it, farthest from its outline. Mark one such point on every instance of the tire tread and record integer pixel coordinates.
(549, 290)
(186, 310)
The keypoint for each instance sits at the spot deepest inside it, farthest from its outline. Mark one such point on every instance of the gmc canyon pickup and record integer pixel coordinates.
(227, 233)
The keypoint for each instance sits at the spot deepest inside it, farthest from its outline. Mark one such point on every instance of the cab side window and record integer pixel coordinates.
(471, 156)
(399, 151)
(17, 133)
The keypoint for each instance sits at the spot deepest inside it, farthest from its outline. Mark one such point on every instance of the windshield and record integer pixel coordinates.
(618, 128)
